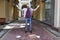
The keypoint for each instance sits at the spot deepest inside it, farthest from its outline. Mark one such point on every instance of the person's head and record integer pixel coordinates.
(24, 6)
(29, 5)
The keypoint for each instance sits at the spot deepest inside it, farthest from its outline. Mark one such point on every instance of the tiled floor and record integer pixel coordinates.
(3, 31)
(39, 33)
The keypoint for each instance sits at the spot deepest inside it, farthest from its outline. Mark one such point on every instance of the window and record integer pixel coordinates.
(49, 11)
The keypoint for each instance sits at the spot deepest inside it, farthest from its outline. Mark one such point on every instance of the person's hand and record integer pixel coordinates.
(38, 6)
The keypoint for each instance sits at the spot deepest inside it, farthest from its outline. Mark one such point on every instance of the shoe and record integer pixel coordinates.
(25, 31)
(30, 31)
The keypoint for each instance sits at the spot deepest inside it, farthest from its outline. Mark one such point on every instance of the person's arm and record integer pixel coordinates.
(18, 8)
(36, 8)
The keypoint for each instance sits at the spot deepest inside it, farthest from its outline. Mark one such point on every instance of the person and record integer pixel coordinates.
(28, 17)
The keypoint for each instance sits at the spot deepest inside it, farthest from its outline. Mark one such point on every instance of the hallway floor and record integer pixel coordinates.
(38, 33)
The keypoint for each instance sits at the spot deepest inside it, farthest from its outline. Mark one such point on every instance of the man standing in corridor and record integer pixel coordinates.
(28, 17)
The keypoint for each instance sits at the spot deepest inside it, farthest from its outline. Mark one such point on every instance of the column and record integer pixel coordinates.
(57, 14)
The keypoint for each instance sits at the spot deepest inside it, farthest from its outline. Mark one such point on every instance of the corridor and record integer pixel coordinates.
(45, 20)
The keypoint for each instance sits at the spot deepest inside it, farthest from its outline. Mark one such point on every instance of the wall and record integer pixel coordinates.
(10, 10)
(15, 13)
(7, 10)
(42, 10)
(2, 9)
